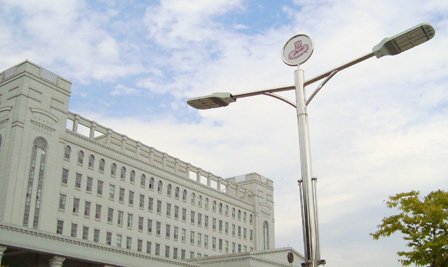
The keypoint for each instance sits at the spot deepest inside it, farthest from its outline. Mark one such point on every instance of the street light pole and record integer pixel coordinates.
(294, 50)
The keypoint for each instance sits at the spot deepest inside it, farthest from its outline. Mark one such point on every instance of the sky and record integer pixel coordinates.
(377, 128)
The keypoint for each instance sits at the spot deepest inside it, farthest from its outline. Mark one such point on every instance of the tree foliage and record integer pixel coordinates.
(424, 225)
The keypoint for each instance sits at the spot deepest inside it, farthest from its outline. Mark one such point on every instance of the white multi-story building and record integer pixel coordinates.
(76, 193)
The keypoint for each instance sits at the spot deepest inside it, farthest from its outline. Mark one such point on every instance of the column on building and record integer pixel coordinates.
(2, 252)
(56, 261)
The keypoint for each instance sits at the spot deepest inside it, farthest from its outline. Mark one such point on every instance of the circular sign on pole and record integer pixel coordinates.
(297, 50)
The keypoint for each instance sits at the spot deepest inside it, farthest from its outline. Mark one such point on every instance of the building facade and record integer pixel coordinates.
(106, 198)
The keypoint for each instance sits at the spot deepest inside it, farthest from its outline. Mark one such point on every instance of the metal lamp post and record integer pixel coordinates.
(296, 51)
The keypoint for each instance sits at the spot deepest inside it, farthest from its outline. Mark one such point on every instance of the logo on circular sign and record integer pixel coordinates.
(297, 50)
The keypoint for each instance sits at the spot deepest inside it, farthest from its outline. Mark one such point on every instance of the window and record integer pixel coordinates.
(109, 238)
(85, 232)
(167, 251)
(175, 253)
(159, 206)
(206, 203)
(184, 195)
(214, 206)
(226, 227)
(157, 252)
(128, 242)
(220, 244)
(132, 177)
(182, 254)
(213, 242)
(140, 223)
(176, 193)
(74, 230)
(199, 219)
(62, 199)
(199, 239)
(168, 209)
(159, 187)
(89, 184)
(167, 231)
(168, 190)
(87, 205)
(176, 234)
(244, 216)
(193, 198)
(99, 188)
(158, 226)
(131, 198)
(206, 241)
(130, 217)
(111, 191)
(91, 161)
(76, 205)
(64, 179)
(80, 157)
(142, 180)
(183, 235)
(220, 225)
(78, 181)
(176, 212)
(120, 218)
(148, 247)
(123, 173)
(251, 219)
(96, 235)
(139, 245)
(141, 202)
(102, 163)
(206, 221)
(239, 231)
(184, 214)
(220, 208)
(233, 213)
(192, 237)
(265, 235)
(121, 195)
(239, 215)
(151, 183)
(110, 215)
(98, 212)
(59, 227)
(150, 203)
(192, 215)
(200, 201)
(119, 238)
(226, 210)
(67, 152)
(149, 226)
(251, 235)
(113, 169)
(214, 224)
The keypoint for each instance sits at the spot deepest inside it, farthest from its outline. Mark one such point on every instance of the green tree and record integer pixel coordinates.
(424, 225)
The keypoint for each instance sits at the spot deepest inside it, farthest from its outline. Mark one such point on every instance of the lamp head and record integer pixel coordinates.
(404, 41)
(215, 100)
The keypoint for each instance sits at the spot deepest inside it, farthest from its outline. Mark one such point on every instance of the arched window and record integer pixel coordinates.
(214, 206)
(206, 203)
(233, 213)
(132, 177)
(265, 235)
(251, 219)
(193, 198)
(169, 188)
(151, 183)
(67, 152)
(143, 180)
(239, 214)
(176, 192)
(200, 201)
(226, 211)
(80, 157)
(91, 161)
(123, 173)
(37, 167)
(113, 169)
(102, 163)
(220, 208)
(244, 216)
(159, 187)
(184, 195)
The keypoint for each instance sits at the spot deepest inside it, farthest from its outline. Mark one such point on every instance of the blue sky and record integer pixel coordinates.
(377, 129)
